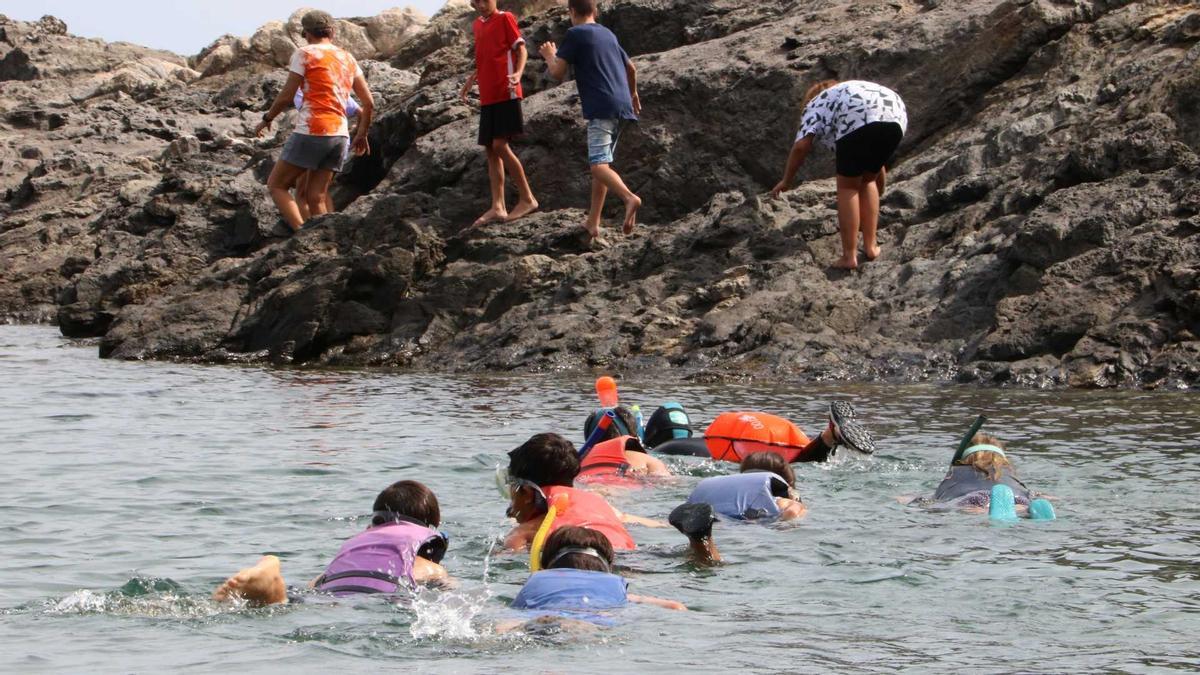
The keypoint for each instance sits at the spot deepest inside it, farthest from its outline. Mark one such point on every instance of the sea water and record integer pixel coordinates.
(130, 490)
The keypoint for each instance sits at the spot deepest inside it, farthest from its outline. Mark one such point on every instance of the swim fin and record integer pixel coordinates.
(1040, 509)
(1002, 505)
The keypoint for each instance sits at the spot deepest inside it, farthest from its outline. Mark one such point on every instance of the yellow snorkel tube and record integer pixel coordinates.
(558, 505)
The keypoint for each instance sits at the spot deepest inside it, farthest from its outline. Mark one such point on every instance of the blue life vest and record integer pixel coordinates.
(572, 589)
(743, 496)
(964, 480)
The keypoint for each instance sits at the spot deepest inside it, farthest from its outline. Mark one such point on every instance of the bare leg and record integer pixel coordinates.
(599, 194)
(262, 584)
(612, 180)
(318, 189)
(881, 179)
(868, 202)
(848, 215)
(526, 204)
(283, 177)
(328, 202)
(496, 181)
(301, 193)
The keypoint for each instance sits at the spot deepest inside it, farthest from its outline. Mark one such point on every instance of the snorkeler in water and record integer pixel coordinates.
(618, 456)
(981, 474)
(763, 491)
(401, 549)
(575, 586)
(544, 467)
(735, 435)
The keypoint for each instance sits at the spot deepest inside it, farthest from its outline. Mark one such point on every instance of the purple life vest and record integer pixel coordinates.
(379, 560)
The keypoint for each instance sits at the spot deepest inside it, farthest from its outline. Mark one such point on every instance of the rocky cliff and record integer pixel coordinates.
(1041, 228)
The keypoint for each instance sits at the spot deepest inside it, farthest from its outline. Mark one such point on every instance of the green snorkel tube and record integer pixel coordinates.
(966, 440)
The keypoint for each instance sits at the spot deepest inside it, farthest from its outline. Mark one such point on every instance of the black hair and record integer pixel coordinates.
(579, 538)
(408, 498)
(319, 33)
(545, 459)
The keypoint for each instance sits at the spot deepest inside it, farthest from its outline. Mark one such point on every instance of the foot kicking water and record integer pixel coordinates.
(260, 585)
(521, 210)
(847, 430)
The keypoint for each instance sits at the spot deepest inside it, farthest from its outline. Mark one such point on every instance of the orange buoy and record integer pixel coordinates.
(734, 435)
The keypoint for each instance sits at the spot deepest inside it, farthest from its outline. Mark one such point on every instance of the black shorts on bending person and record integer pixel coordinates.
(501, 120)
(868, 149)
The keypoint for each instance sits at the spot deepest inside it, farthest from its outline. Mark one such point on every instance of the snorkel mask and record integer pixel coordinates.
(590, 552)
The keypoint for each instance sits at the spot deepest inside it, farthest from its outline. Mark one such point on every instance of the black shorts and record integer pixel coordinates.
(500, 120)
(868, 149)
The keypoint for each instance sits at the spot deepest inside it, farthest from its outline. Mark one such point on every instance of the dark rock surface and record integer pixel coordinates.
(1042, 227)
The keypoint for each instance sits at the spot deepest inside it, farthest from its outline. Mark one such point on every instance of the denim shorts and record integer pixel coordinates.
(316, 153)
(602, 138)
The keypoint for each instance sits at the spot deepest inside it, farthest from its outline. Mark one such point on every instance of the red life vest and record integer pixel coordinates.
(591, 511)
(605, 463)
(734, 435)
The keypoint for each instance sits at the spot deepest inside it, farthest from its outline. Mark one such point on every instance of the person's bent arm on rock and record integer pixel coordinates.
(795, 159)
(365, 114)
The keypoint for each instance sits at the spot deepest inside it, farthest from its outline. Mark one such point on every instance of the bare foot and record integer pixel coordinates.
(849, 265)
(521, 210)
(592, 230)
(262, 584)
(871, 253)
(631, 209)
(491, 216)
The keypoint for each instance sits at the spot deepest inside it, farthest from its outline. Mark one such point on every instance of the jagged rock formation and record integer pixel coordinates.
(1042, 227)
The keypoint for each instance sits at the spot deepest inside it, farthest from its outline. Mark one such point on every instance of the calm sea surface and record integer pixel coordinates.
(129, 490)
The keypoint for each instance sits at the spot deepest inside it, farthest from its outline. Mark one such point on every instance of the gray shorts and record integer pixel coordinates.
(316, 153)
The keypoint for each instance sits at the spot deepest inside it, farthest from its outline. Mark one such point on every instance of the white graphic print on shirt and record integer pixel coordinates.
(848, 106)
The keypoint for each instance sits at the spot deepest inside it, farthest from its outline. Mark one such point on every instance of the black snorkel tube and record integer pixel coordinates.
(966, 440)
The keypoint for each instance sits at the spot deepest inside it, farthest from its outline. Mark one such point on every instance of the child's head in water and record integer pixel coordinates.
(407, 499)
(545, 460)
(625, 424)
(579, 548)
(987, 454)
(771, 462)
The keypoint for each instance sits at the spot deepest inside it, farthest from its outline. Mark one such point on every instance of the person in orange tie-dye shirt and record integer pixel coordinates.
(321, 139)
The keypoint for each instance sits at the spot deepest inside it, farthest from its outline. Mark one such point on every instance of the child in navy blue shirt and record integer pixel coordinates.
(607, 82)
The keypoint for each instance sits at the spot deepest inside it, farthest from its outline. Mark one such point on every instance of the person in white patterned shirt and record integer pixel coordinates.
(863, 123)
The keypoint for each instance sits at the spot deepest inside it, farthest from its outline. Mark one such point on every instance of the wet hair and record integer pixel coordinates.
(408, 498)
(990, 463)
(545, 459)
(624, 415)
(772, 463)
(813, 91)
(578, 537)
(582, 7)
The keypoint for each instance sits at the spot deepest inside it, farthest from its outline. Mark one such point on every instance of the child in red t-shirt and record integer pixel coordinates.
(500, 57)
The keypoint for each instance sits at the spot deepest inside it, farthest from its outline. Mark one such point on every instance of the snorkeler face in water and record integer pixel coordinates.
(527, 500)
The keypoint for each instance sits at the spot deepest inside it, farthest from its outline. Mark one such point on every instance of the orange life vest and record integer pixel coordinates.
(734, 435)
(592, 511)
